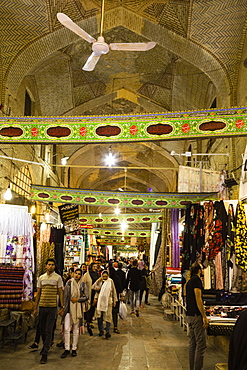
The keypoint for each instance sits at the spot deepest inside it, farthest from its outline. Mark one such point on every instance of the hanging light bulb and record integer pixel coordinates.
(64, 160)
(43, 226)
(117, 211)
(8, 194)
(33, 209)
(110, 159)
(47, 216)
(124, 225)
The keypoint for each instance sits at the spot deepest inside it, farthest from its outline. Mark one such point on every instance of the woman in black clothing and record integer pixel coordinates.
(143, 284)
(237, 359)
(148, 283)
(119, 290)
(89, 279)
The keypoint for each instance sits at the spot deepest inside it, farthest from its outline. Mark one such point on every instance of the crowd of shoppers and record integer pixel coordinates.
(86, 293)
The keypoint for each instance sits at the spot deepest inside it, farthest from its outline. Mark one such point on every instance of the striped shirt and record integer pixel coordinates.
(49, 285)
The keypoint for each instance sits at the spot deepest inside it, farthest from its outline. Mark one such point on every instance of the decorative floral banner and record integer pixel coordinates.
(130, 218)
(114, 241)
(116, 232)
(145, 127)
(120, 199)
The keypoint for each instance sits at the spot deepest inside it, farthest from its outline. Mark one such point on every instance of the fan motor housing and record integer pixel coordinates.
(100, 46)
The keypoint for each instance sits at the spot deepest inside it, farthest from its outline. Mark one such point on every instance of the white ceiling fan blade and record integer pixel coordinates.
(135, 46)
(67, 22)
(91, 62)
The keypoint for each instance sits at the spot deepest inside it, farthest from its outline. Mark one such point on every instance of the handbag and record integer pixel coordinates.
(122, 310)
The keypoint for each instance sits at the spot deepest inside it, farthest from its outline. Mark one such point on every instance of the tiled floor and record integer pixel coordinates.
(147, 342)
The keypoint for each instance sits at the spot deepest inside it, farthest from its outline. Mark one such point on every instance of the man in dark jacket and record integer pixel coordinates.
(196, 318)
(122, 276)
(134, 280)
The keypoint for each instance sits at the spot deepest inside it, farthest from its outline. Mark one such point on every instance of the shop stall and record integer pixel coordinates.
(215, 235)
(16, 256)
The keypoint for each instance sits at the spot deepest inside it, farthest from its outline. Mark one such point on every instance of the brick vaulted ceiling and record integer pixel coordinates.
(197, 56)
(200, 49)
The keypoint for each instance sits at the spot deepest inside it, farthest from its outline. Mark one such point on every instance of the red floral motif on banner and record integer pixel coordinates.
(54, 196)
(239, 123)
(83, 131)
(133, 130)
(186, 128)
(34, 131)
(77, 199)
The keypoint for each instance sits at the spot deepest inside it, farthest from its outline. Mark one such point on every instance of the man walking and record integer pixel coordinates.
(134, 280)
(196, 318)
(49, 285)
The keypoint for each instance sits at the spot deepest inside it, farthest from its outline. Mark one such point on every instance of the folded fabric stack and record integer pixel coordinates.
(11, 287)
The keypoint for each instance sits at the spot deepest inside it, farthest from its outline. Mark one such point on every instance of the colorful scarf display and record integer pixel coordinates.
(16, 245)
(240, 241)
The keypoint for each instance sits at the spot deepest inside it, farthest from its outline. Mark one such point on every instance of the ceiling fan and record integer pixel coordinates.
(99, 46)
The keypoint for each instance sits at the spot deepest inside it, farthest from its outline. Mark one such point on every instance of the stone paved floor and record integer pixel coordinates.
(147, 342)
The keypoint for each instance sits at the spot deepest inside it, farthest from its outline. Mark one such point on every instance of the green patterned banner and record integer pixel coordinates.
(127, 249)
(118, 232)
(114, 241)
(146, 127)
(131, 218)
(120, 199)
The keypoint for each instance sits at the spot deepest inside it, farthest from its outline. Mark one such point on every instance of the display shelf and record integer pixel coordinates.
(73, 247)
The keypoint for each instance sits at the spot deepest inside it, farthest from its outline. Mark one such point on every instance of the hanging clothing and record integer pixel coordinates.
(207, 275)
(208, 225)
(193, 242)
(175, 238)
(220, 230)
(236, 282)
(47, 251)
(240, 241)
(218, 272)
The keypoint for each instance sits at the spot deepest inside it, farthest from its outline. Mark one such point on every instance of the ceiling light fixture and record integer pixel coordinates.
(117, 211)
(189, 154)
(33, 209)
(64, 160)
(8, 194)
(124, 225)
(110, 159)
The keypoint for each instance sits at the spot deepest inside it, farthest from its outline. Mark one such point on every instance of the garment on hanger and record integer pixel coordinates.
(240, 240)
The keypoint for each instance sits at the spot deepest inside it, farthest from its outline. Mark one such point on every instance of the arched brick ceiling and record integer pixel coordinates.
(197, 58)
(202, 22)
